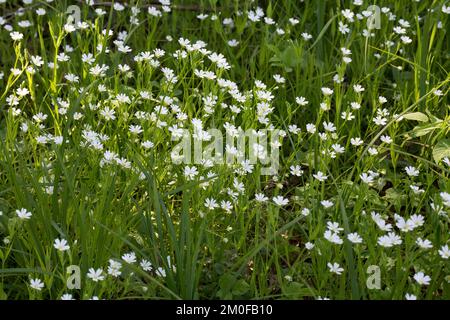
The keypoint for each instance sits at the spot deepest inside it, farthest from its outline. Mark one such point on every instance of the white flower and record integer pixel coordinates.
(288, 278)
(348, 14)
(389, 240)
(279, 79)
(335, 268)
(422, 278)
(61, 245)
(444, 252)
(36, 284)
(380, 222)
(366, 178)
(118, 6)
(154, 12)
(347, 116)
(424, 244)
(445, 198)
(416, 220)
(410, 297)
(293, 21)
(416, 189)
(404, 226)
(129, 257)
(386, 139)
(211, 203)
(71, 77)
(406, 39)
(147, 144)
(268, 20)
(37, 61)
(356, 141)
(330, 127)
(309, 246)
(16, 36)
(136, 129)
(226, 205)
(67, 296)
(320, 176)
(145, 265)
(95, 275)
(412, 171)
(326, 91)
(301, 101)
(338, 148)
(355, 105)
(327, 203)
(160, 272)
(358, 88)
(260, 197)
(306, 36)
(294, 129)
(58, 140)
(40, 12)
(22, 92)
(343, 28)
(445, 9)
(190, 172)
(296, 171)
(382, 100)
(311, 128)
(305, 212)
(114, 268)
(233, 43)
(354, 237)
(280, 201)
(23, 214)
(68, 27)
(332, 237)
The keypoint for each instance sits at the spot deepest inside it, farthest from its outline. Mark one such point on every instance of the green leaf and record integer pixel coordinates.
(421, 130)
(219, 268)
(417, 116)
(226, 282)
(290, 57)
(395, 197)
(295, 290)
(241, 287)
(441, 150)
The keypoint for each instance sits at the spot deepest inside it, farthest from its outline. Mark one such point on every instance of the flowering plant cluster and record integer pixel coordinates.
(96, 170)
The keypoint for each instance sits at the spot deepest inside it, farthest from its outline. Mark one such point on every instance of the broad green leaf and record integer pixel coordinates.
(441, 150)
(395, 197)
(226, 282)
(290, 57)
(241, 287)
(295, 290)
(422, 130)
(418, 116)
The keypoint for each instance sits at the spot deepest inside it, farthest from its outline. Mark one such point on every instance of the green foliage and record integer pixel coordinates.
(88, 122)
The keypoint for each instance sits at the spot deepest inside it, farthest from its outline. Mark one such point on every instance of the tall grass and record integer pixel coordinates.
(151, 209)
